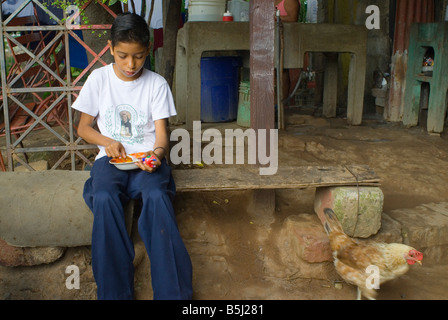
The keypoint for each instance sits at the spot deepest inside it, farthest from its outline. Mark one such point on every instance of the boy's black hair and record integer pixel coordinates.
(129, 27)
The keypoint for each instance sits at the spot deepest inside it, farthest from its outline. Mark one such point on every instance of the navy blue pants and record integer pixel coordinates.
(106, 192)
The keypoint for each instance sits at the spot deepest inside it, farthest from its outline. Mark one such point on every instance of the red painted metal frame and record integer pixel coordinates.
(68, 88)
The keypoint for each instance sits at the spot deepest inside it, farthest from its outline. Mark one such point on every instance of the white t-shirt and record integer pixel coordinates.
(126, 110)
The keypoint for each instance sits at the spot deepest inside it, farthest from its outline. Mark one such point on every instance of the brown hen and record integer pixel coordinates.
(367, 264)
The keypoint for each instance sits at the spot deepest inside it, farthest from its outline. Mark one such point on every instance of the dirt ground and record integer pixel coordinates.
(233, 257)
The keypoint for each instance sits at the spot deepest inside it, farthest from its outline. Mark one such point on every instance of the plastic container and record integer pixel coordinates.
(239, 10)
(219, 88)
(243, 118)
(227, 16)
(206, 10)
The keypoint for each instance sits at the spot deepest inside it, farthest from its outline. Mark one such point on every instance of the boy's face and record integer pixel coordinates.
(129, 59)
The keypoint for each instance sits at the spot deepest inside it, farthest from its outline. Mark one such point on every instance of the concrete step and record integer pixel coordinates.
(426, 228)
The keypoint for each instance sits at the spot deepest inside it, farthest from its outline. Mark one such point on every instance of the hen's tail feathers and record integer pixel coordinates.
(331, 223)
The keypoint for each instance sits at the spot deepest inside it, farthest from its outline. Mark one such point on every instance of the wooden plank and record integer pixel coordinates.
(247, 178)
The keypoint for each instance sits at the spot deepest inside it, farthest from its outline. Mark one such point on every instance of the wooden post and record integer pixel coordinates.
(262, 30)
(331, 86)
(262, 112)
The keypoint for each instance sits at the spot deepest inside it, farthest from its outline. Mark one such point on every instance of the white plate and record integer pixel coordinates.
(125, 165)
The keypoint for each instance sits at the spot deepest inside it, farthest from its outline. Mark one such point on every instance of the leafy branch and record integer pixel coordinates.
(65, 4)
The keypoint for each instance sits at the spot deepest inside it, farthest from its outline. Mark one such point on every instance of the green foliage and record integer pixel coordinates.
(112, 2)
(64, 4)
(303, 8)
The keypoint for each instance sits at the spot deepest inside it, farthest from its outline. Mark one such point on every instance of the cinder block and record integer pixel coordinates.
(359, 209)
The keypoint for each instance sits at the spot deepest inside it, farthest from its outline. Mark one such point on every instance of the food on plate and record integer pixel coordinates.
(122, 160)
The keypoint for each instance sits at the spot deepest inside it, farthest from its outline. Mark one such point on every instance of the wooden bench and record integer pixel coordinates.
(46, 208)
(248, 178)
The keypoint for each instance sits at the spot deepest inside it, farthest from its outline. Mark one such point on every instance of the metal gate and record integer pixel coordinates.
(39, 87)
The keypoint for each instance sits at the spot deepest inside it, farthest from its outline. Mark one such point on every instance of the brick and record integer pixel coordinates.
(303, 249)
(359, 209)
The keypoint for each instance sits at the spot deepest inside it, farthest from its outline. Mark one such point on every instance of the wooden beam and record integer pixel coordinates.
(262, 31)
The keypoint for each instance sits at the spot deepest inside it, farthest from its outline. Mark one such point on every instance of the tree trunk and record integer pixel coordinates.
(171, 25)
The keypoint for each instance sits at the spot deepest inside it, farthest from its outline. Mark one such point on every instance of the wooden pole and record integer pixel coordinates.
(262, 31)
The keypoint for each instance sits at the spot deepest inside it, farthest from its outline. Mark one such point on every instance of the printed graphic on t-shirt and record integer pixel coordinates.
(125, 124)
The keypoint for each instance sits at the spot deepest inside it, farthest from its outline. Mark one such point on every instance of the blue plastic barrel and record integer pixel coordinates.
(219, 88)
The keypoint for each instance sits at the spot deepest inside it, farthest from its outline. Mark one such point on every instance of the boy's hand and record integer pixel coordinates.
(115, 150)
(150, 167)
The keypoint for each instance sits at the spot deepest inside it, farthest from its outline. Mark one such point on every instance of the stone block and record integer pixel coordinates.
(359, 209)
(426, 228)
(390, 231)
(15, 256)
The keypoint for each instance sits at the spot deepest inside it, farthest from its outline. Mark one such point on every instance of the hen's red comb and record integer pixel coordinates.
(417, 254)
